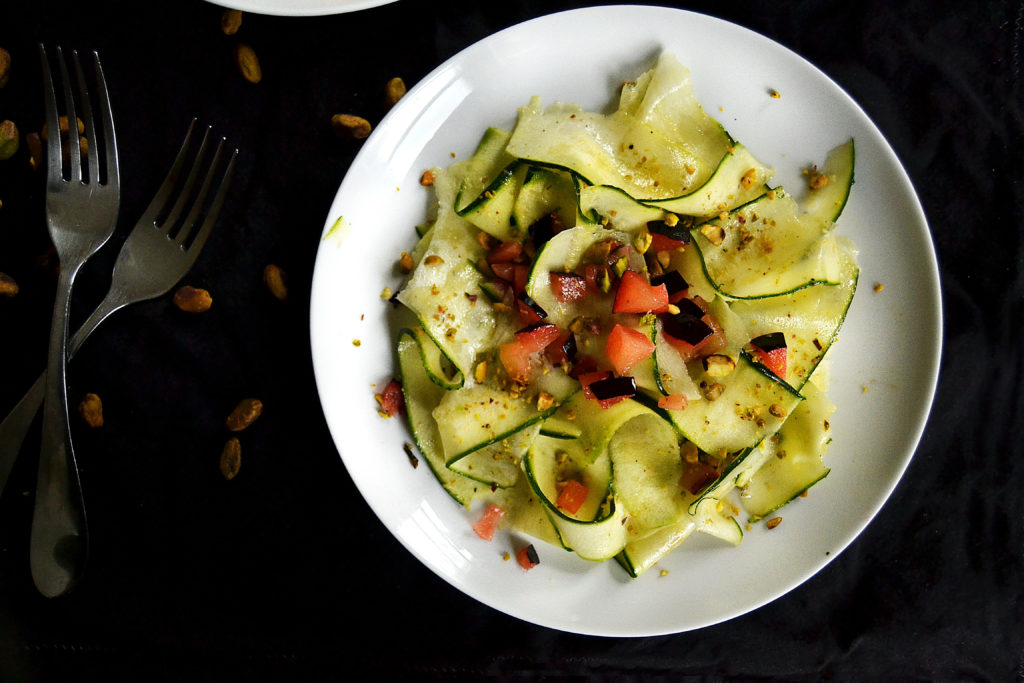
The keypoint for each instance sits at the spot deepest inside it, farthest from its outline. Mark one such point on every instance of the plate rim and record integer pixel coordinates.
(288, 8)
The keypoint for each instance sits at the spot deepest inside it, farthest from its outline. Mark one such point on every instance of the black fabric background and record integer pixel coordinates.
(284, 573)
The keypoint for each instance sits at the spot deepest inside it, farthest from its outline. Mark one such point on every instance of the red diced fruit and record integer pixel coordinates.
(537, 337)
(774, 360)
(527, 557)
(660, 242)
(636, 295)
(568, 287)
(626, 348)
(506, 271)
(392, 400)
(527, 316)
(583, 366)
(572, 496)
(515, 355)
(488, 523)
(505, 252)
(516, 360)
(673, 402)
(520, 274)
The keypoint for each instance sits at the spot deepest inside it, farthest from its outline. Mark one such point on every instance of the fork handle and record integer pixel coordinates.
(59, 539)
(15, 426)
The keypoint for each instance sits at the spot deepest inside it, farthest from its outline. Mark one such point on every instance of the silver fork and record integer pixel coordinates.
(81, 214)
(158, 252)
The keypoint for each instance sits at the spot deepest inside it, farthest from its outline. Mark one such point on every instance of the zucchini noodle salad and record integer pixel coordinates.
(613, 326)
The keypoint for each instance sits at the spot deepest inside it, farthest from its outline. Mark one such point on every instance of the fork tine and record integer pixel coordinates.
(90, 125)
(200, 200)
(69, 108)
(186, 189)
(164, 191)
(53, 156)
(215, 206)
(112, 168)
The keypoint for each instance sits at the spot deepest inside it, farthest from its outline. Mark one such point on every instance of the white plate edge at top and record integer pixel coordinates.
(300, 8)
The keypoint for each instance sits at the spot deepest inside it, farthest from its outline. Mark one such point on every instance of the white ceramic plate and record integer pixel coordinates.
(884, 368)
(300, 8)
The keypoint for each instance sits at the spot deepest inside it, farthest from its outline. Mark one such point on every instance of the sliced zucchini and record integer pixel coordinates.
(738, 179)
(545, 191)
(524, 512)
(640, 554)
(827, 202)
(497, 463)
(435, 364)
(646, 471)
(766, 248)
(481, 416)
(436, 290)
(597, 531)
(422, 395)
(797, 463)
(711, 518)
(618, 149)
(750, 406)
(492, 211)
(618, 209)
(664, 99)
(480, 171)
(810, 319)
(563, 253)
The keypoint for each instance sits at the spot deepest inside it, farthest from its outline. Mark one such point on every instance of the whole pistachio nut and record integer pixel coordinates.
(274, 279)
(231, 21)
(231, 458)
(248, 63)
(349, 126)
(8, 139)
(394, 91)
(91, 410)
(192, 299)
(244, 414)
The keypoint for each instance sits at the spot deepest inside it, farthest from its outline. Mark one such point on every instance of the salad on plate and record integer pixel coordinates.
(614, 326)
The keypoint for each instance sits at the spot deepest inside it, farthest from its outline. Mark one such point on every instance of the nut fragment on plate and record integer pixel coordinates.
(231, 458)
(245, 413)
(274, 279)
(193, 299)
(350, 127)
(394, 91)
(8, 139)
(8, 287)
(231, 21)
(91, 410)
(248, 63)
